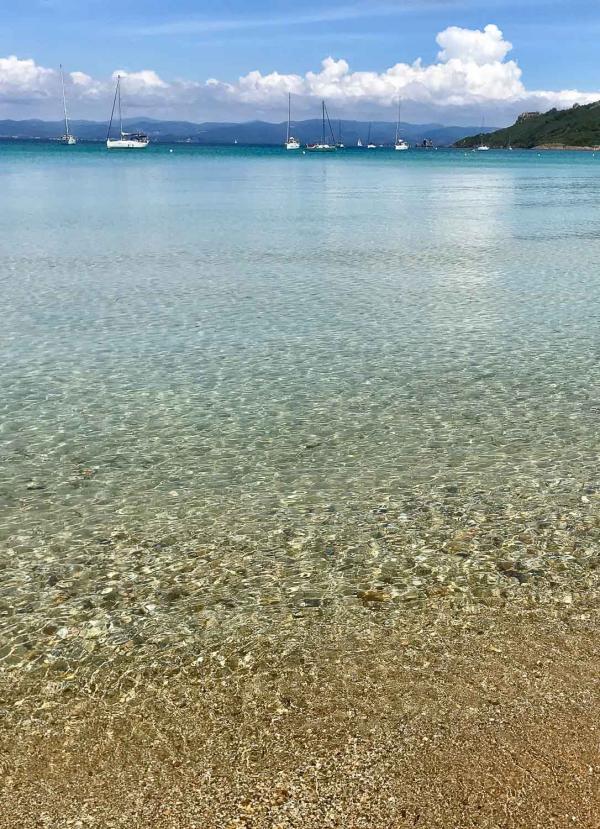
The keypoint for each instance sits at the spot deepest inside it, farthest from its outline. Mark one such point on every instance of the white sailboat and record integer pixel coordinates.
(291, 143)
(126, 140)
(67, 138)
(370, 146)
(323, 146)
(399, 143)
(359, 143)
(482, 148)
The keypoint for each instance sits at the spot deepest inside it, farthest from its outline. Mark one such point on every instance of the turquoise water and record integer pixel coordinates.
(241, 383)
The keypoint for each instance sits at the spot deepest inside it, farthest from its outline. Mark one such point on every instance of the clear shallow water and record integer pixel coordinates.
(239, 384)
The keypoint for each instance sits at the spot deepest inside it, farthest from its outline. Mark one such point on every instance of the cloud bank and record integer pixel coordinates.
(471, 74)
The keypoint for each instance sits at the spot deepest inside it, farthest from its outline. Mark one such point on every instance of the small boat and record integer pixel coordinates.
(399, 143)
(126, 140)
(323, 146)
(359, 143)
(67, 138)
(340, 143)
(509, 147)
(291, 143)
(370, 145)
(483, 147)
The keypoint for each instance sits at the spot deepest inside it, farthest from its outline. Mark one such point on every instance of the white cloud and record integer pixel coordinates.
(140, 82)
(81, 79)
(472, 73)
(297, 17)
(481, 47)
(23, 78)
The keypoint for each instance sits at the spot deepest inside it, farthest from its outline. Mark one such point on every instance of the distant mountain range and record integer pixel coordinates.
(578, 127)
(252, 132)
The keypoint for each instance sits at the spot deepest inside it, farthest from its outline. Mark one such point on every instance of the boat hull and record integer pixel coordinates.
(126, 144)
(292, 145)
(321, 148)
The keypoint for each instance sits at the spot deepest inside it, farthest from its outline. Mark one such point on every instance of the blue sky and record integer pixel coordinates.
(554, 45)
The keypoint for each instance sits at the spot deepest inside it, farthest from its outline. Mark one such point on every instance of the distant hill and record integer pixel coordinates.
(252, 132)
(577, 127)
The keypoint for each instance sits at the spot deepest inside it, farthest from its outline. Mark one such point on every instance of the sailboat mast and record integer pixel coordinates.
(112, 114)
(323, 126)
(289, 116)
(398, 121)
(62, 78)
(119, 94)
(330, 127)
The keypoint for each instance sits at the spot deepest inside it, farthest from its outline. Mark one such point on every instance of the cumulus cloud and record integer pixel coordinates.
(23, 78)
(140, 82)
(481, 47)
(471, 69)
(472, 72)
(81, 79)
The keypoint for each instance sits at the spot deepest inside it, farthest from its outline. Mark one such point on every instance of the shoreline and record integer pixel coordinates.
(567, 147)
(448, 717)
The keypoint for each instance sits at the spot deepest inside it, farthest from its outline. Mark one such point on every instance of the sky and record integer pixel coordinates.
(449, 61)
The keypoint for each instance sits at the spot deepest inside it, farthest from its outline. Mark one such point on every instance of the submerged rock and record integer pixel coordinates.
(373, 596)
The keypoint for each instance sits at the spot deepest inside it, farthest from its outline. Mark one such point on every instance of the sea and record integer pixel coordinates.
(242, 389)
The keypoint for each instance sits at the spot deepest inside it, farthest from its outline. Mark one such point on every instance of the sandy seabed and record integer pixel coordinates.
(470, 717)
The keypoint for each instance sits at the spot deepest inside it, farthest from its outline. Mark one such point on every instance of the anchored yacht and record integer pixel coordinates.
(399, 143)
(483, 147)
(323, 146)
(291, 143)
(67, 138)
(370, 145)
(126, 140)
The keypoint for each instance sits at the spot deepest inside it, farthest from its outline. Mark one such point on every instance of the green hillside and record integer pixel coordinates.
(576, 127)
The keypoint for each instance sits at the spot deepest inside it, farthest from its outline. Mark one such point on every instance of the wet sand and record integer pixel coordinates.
(471, 717)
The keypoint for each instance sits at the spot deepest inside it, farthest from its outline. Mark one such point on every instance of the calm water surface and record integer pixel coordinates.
(239, 383)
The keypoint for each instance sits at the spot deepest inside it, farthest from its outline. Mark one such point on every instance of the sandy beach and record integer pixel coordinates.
(483, 717)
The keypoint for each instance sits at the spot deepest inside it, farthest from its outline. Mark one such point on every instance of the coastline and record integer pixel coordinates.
(451, 718)
(568, 147)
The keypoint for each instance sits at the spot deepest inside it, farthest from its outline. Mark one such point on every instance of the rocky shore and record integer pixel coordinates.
(566, 147)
